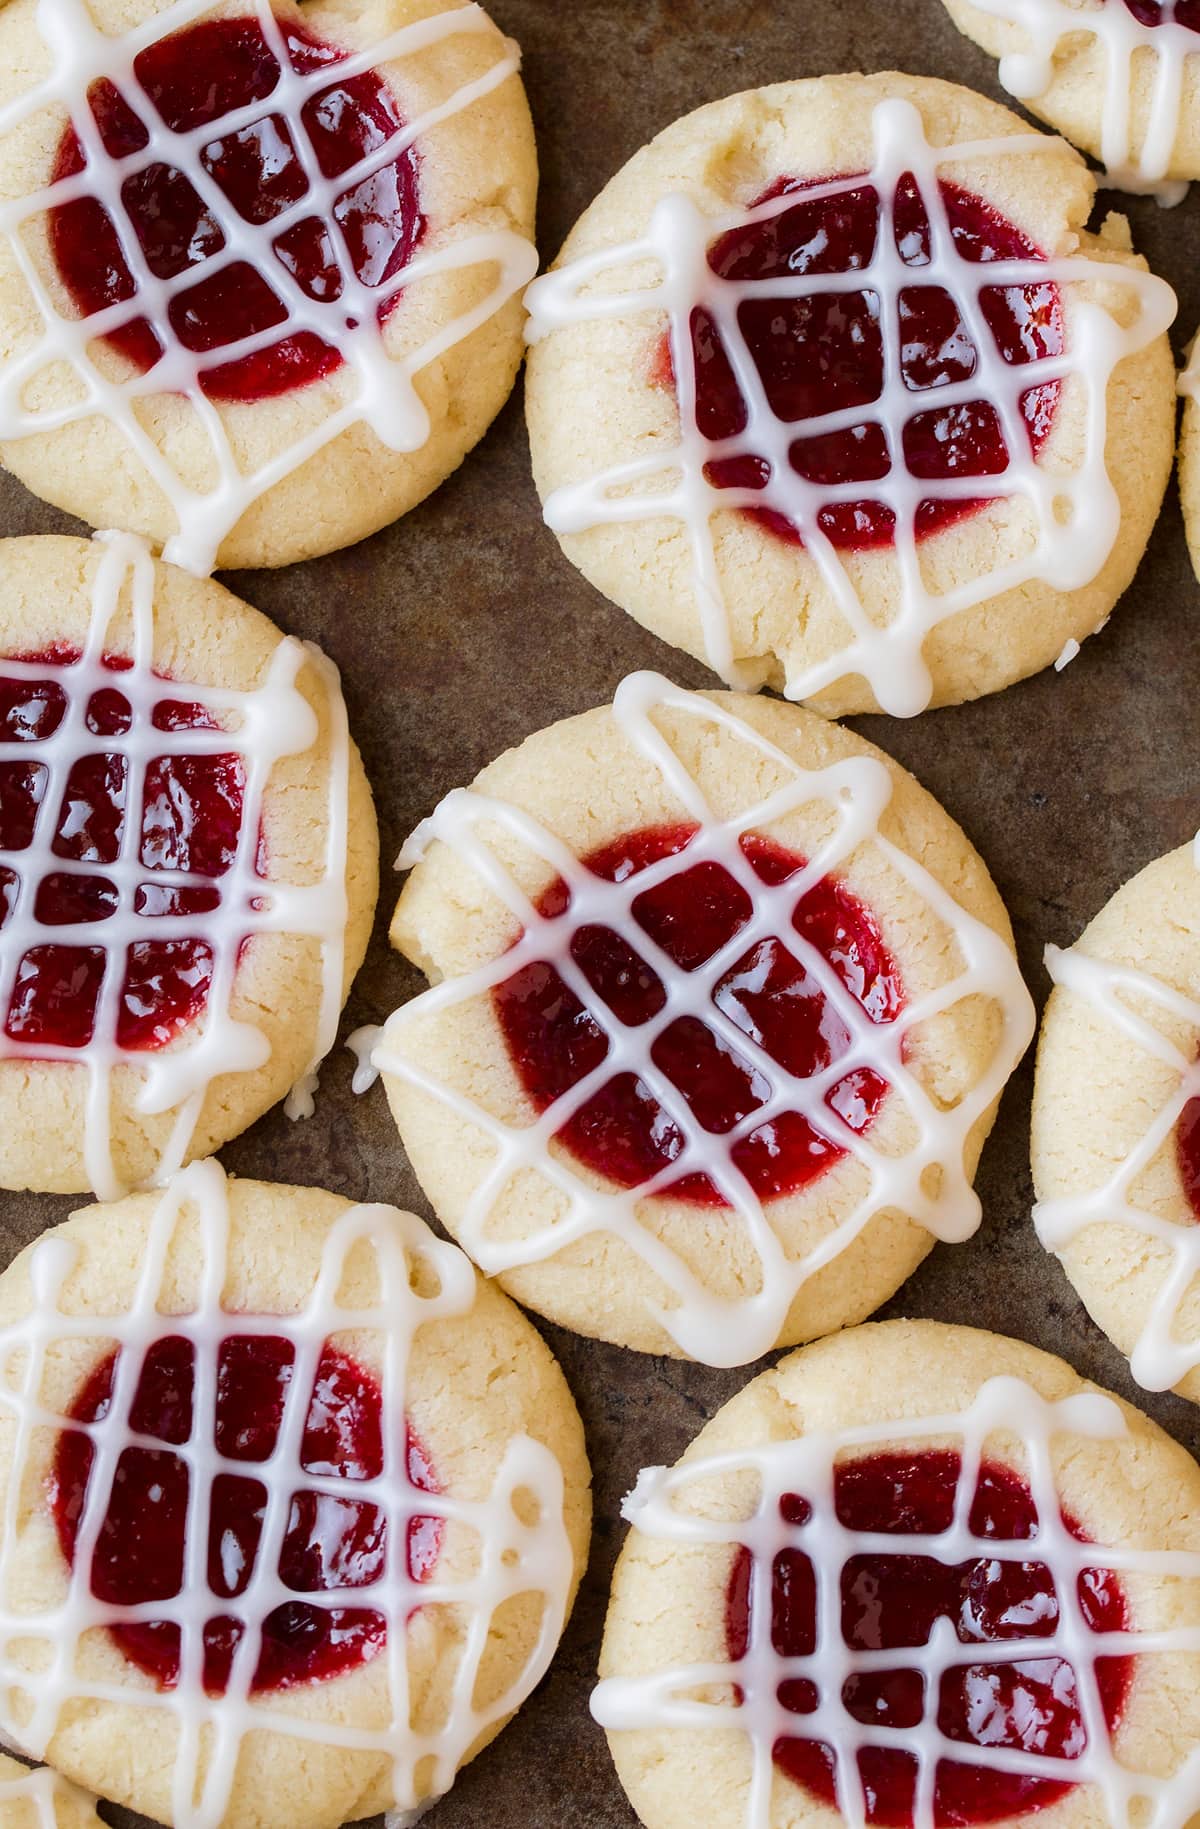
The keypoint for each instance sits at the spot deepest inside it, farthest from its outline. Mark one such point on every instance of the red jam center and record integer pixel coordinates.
(191, 817)
(621, 1132)
(330, 1543)
(1163, 12)
(890, 1602)
(1187, 1151)
(826, 352)
(195, 78)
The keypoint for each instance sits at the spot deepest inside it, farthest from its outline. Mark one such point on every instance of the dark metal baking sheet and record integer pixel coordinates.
(461, 629)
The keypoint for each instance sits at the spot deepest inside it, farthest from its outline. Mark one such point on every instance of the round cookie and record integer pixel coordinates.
(1120, 78)
(389, 1474)
(258, 346)
(722, 1006)
(42, 1800)
(811, 1530)
(188, 860)
(1115, 1139)
(778, 414)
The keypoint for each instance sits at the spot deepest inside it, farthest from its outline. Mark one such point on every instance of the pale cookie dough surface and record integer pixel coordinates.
(587, 784)
(203, 636)
(474, 1380)
(1189, 458)
(593, 402)
(1104, 1098)
(477, 176)
(42, 1800)
(1140, 1491)
(1089, 75)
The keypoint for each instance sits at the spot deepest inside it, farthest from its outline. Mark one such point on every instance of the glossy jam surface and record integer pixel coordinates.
(1161, 12)
(1187, 1151)
(194, 78)
(889, 1602)
(330, 1542)
(825, 352)
(190, 821)
(621, 1132)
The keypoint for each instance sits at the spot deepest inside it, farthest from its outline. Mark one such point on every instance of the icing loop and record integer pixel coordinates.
(749, 1686)
(380, 393)
(1160, 1358)
(857, 792)
(260, 727)
(1077, 512)
(1122, 36)
(514, 1557)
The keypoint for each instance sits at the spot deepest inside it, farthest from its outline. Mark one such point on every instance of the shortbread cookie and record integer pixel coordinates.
(1189, 454)
(832, 1605)
(723, 1003)
(1120, 78)
(1116, 1121)
(254, 334)
(387, 1524)
(42, 1800)
(832, 389)
(188, 865)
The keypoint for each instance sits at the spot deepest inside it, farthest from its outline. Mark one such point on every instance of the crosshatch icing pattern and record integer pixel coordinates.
(675, 1507)
(1130, 1000)
(1076, 511)
(380, 392)
(257, 729)
(1127, 31)
(927, 1180)
(518, 1531)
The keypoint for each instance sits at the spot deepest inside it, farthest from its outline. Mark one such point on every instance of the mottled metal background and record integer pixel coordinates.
(461, 629)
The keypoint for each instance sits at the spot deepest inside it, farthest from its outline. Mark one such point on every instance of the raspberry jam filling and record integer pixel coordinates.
(890, 1602)
(1187, 1153)
(329, 1542)
(1163, 12)
(621, 1131)
(827, 352)
(195, 78)
(190, 821)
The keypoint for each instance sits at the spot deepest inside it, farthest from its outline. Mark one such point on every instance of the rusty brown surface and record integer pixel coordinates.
(461, 629)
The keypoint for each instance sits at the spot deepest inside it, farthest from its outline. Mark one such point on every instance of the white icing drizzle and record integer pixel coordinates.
(261, 726)
(1071, 651)
(1029, 74)
(1160, 1358)
(362, 1044)
(381, 394)
(514, 1558)
(1077, 513)
(45, 1791)
(857, 791)
(405, 1819)
(1004, 1406)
